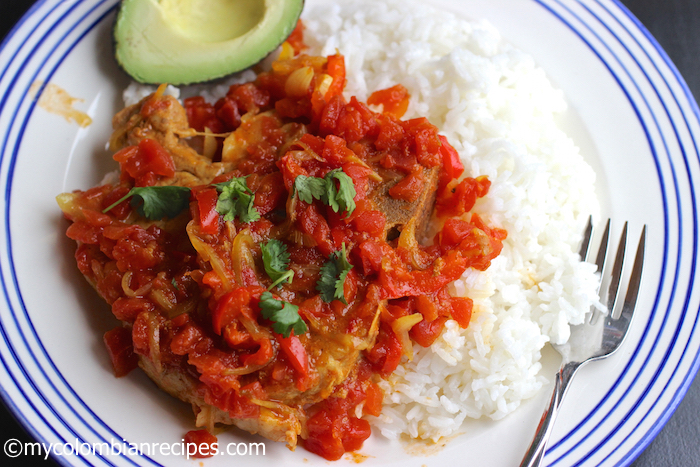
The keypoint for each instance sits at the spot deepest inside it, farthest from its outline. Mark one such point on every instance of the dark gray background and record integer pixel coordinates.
(676, 26)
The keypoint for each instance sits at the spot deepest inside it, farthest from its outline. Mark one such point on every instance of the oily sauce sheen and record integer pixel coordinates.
(190, 291)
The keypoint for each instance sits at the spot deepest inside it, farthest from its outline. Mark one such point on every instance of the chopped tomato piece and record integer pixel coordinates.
(336, 69)
(371, 254)
(200, 444)
(355, 432)
(240, 405)
(146, 163)
(359, 175)
(128, 308)
(462, 310)
(323, 437)
(451, 162)
(331, 113)
(335, 150)
(335, 429)
(312, 223)
(249, 96)
(187, 340)
(296, 38)
(202, 115)
(456, 200)
(374, 400)
(121, 350)
(296, 354)
(227, 112)
(410, 187)
(373, 222)
(84, 232)
(385, 356)
(425, 332)
(394, 99)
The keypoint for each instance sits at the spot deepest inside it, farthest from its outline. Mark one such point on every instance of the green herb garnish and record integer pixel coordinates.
(236, 200)
(309, 188)
(340, 198)
(284, 315)
(157, 202)
(276, 261)
(333, 274)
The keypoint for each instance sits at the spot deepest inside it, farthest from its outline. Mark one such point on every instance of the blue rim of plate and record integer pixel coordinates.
(589, 35)
(605, 26)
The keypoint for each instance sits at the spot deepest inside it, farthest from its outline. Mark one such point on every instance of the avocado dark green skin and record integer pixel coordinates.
(240, 54)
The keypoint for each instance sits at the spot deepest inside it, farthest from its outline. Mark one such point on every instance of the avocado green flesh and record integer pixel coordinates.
(212, 21)
(191, 41)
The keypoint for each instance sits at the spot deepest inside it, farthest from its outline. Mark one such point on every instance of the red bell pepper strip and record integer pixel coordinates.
(229, 306)
(295, 352)
(208, 215)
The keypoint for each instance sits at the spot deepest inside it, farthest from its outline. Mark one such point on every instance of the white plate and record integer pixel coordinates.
(631, 113)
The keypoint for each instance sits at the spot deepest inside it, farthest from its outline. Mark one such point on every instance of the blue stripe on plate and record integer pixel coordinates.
(5, 336)
(17, 28)
(72, 392)
(687, 377)
(646, 391)
(631, 455)
(69, 31)
(38, 370)
(612, 431)
(664, 187)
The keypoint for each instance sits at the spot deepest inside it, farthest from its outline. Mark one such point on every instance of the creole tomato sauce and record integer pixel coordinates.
(189, 290)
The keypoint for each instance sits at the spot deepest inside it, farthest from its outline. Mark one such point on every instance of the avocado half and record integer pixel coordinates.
(191, 41)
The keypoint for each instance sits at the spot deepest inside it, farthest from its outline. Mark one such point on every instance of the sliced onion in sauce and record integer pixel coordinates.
(401, 327)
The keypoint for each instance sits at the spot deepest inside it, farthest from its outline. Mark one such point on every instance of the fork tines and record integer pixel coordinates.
(615, 277)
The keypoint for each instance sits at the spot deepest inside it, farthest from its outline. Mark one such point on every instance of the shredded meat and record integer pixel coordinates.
(167, 124)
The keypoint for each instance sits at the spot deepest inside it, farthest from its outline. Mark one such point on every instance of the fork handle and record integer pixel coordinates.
(535, 454)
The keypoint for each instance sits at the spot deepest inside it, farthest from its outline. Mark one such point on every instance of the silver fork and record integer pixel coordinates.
(594, 339)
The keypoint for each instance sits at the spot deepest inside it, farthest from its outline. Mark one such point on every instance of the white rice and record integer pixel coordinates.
(498, 109)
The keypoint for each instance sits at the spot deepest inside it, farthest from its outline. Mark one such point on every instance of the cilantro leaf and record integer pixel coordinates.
(236, 200)
(331, 285)
(157, 202)
(340, 198)
(309, 188)
(284, 314)
(330, 195)
(276, 261)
